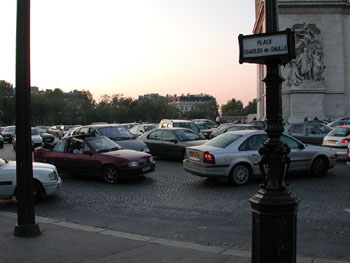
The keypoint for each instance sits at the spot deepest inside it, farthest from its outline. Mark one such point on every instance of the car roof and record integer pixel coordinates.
(172, 129)
(244, 132)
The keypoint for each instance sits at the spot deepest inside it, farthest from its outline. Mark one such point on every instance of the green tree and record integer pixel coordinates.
(232, 108)
(7, 103)
(251, 108)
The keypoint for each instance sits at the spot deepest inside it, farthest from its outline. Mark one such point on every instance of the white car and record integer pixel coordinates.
(46, 180)
(235, 156)
(337, 140)
(37, 140)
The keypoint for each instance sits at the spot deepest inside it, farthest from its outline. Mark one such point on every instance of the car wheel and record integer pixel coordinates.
(240, 174)
(319, 167)
(111, 174)
(1, 146)
(37, 191)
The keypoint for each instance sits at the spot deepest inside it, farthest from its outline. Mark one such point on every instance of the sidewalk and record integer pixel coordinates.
(62, 241)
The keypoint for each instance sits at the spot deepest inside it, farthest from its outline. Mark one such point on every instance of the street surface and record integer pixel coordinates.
(173, 204)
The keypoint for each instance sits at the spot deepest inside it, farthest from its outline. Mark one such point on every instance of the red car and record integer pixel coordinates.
(95, 156)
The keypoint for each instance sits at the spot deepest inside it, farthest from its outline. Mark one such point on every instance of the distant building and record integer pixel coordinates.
(188, 102)
(317, 82)
(150, 96)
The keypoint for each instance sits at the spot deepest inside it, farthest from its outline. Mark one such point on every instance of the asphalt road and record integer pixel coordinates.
(170, 203)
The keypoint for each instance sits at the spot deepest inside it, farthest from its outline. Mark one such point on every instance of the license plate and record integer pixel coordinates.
(145, 169)
(332, 142)
(195, 155)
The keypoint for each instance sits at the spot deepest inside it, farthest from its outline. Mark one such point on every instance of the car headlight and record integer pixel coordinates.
(53, 176)
(151, 159)
(133, 164)
(146, 150)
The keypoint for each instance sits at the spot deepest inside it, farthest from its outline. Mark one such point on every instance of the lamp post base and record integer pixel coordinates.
(274, 226)
(27, 230)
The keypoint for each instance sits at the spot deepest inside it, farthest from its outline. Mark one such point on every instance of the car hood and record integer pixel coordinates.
(128, 154)
(134, 144)
(36, 165)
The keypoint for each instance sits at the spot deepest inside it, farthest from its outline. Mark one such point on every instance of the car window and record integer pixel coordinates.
(155, 135)
(168, 136)
(103, 144)
(187, 135)
(311, 129)
(293, 144)
(116, 132)
(324, 129)
(35, 132)
(149, 127)
(223, 141)
(298, 128)
(60, 146)
(254, 142)
(84, 131)
(340, 132)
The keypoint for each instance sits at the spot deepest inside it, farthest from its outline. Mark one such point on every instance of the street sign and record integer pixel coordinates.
(266, 48)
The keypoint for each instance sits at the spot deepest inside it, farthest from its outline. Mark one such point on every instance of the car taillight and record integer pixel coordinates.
(346, 140)
(208, 158)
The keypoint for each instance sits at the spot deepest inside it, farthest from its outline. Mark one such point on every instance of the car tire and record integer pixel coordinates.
(319, 166)
(111, 174)
(1, 145)
(37, 190)
(240, 174)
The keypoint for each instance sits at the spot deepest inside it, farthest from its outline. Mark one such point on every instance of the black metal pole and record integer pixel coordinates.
(25, 201)
(274, 210)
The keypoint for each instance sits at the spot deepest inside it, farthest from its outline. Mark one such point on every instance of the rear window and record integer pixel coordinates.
(340, 132)
(223, 140)
(116, 132)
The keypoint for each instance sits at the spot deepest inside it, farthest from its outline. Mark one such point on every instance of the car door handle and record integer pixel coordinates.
(254, 155)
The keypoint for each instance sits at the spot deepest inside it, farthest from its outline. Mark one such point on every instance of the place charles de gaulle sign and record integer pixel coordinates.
(267, 48)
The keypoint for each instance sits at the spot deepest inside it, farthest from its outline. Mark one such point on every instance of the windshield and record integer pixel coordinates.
(9, 129)
(187, 135)
(35, 131)
(223, 140)
(116, 133)
(103, 144)
(340, 132)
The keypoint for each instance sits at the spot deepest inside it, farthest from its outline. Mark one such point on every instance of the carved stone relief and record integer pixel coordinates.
(307, 69)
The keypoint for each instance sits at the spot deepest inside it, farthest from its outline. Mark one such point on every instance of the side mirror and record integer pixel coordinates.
(301, 146)
(174, 141)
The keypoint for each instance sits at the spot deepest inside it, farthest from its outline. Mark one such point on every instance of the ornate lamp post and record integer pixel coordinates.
(25, 201)
(274, 209)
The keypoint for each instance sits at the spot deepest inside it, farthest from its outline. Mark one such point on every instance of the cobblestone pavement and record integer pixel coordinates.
(173, 204)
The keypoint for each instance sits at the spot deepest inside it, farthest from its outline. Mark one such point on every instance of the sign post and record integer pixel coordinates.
(274, 209)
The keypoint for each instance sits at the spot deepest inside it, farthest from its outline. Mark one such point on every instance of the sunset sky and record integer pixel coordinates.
(134, 47)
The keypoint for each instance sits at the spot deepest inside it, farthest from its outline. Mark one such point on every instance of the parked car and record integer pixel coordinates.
(337, 140)
(234, 156)
(46, 180)
(205, 129)
(1, 142)
(42, 128)
(166, 123)
(334, 124)
(128, 126)
(141, 129)
(171, 142)
(234, 127)
(117, 133)
(37, 140)
(307, 132)
(8, 133)
(64, 129)
(95, 156)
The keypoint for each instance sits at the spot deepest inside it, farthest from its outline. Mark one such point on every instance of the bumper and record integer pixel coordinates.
(135, 172)
(338, 151)
(204, 170)
(53, 188)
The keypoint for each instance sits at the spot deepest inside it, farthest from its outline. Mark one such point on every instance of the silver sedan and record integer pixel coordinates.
(235, 156)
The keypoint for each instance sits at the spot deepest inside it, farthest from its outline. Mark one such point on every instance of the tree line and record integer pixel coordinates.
(79, 107)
